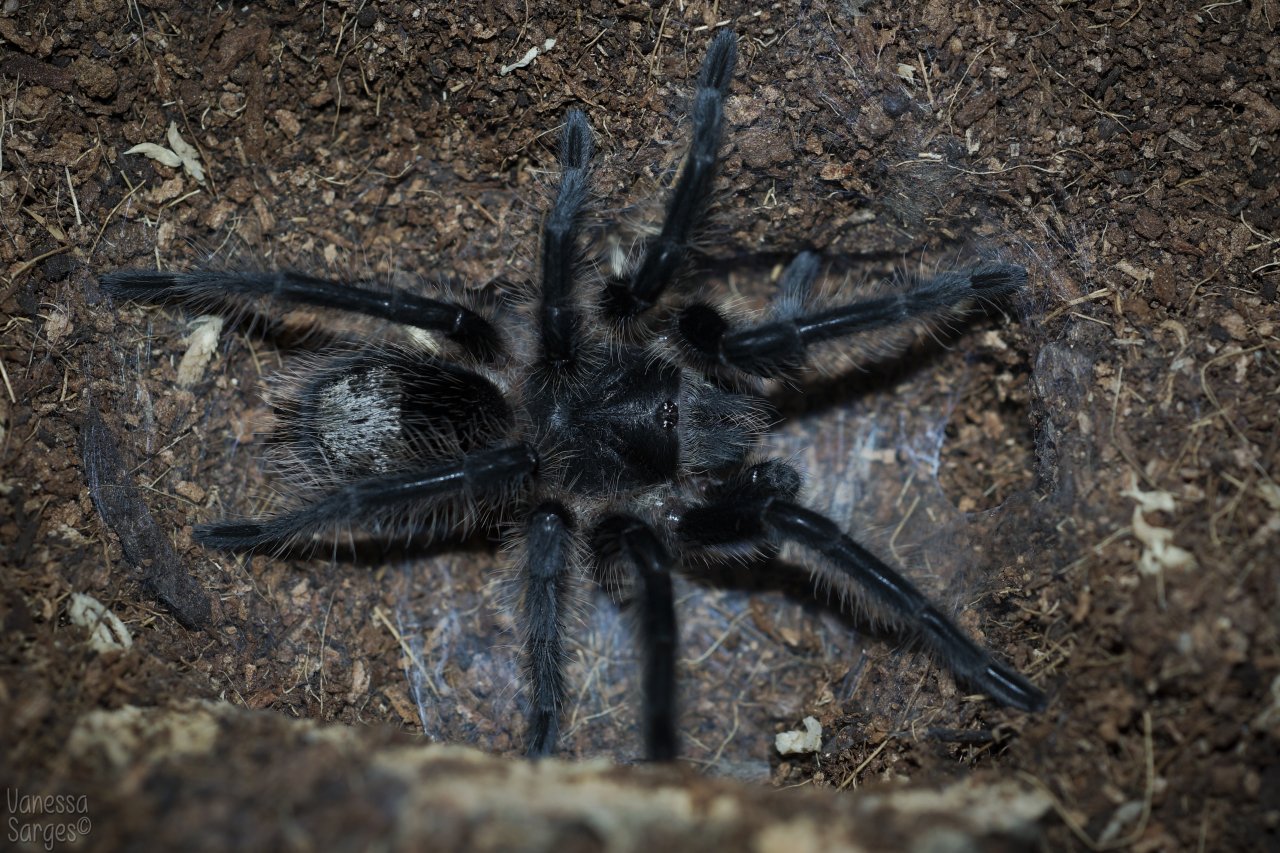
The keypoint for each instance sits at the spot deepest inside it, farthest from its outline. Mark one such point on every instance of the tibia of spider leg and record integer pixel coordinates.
(779, 347)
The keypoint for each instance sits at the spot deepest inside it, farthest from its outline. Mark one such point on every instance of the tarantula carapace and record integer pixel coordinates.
(611, 429)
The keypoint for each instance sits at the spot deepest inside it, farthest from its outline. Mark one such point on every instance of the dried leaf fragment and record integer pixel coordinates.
(106, 631)
(179, 153)
(159, 153)
(201, 346)
(530, 55)
(1159, 552)
(795, 742)
(190, 156)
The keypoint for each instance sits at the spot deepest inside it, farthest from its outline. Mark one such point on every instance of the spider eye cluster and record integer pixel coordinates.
(668, 414)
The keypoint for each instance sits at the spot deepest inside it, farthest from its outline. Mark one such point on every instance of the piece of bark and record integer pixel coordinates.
(122, 509)
(212, 775)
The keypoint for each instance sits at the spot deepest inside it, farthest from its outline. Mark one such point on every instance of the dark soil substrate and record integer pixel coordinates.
(1086, 476)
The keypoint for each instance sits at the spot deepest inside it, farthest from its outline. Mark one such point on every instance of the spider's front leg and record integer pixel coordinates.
(467, 329)
(664, 255)
(557, 314)
(759, 504)
(783, 345)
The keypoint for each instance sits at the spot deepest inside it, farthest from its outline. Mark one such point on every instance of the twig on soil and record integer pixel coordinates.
(28, 264)
(1000, 171)
(733, 731)
(657, 42)
(404, 647)
(924, 75)
(1079, 300)
(1127, 20)
(107, 221)
(587, 48)
(75, 203)
(718, 641)
(8, 387)
(853, 775)
(1213, 398)
(949, 115)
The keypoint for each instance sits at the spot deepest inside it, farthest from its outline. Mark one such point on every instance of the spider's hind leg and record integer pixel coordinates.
(758, 504)
(545, 578)
(629, 540)
(373, 499)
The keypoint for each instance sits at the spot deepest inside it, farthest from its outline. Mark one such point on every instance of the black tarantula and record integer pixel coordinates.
(621, 434)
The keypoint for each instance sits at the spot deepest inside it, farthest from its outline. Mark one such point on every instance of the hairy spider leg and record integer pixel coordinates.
(780, 347)
(546, 593)
(479, 472)
(618, 537)
(473, 333)
(545, 571)
(750, 509)
(558, 315)
(664, 255)
(629, 539)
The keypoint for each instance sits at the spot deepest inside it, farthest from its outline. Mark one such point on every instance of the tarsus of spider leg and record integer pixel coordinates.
(560, 244)
(664, 255)
(771, 349)
(546, 589)
(462, 325)
(478, 472)
(633, 541)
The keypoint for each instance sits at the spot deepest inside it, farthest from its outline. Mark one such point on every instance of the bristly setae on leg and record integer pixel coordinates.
(594, 448)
